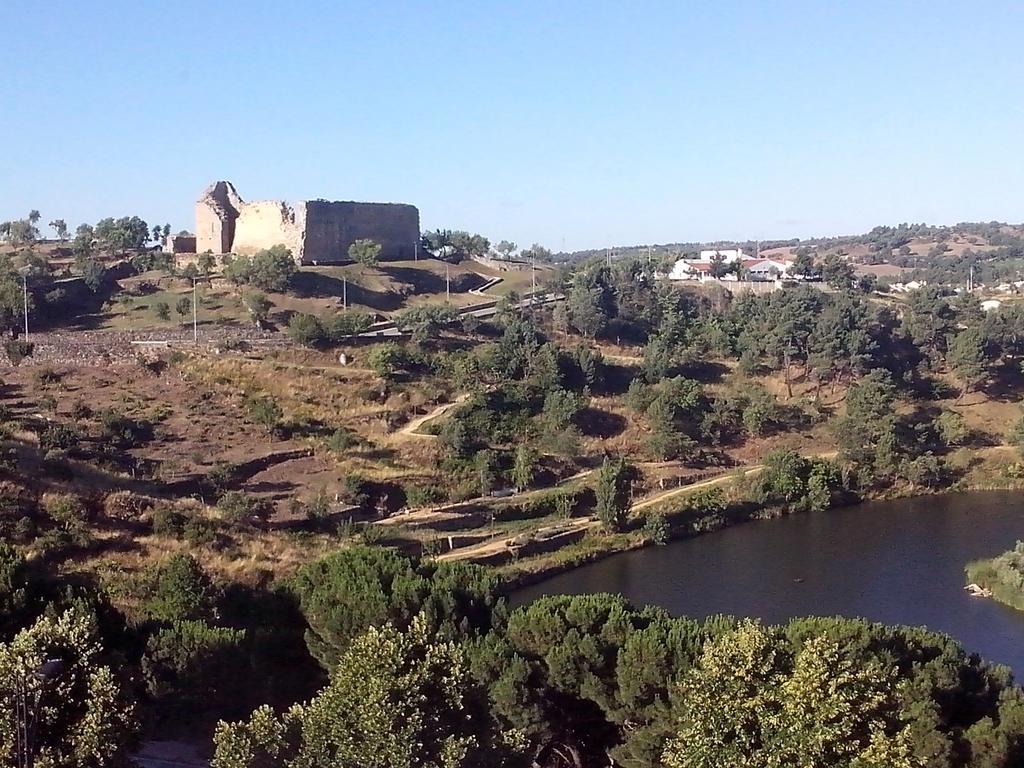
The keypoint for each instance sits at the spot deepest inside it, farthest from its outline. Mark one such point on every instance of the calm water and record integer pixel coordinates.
(898, 562)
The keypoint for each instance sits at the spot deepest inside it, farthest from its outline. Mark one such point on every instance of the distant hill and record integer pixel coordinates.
(938, 253)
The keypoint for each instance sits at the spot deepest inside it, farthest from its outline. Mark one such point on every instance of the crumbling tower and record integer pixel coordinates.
(216, 212)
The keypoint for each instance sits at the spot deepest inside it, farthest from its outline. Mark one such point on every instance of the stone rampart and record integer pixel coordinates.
(319, 231)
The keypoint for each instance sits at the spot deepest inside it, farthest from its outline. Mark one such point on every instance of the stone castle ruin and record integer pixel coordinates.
(315, 231)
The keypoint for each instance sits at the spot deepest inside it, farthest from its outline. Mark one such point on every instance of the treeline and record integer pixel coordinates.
(572, 681)
(427, 666)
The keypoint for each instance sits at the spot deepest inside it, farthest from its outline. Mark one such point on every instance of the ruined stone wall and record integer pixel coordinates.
(268, 223)
(216, 212)
(331, 227)
(180, 244)
(313, 230)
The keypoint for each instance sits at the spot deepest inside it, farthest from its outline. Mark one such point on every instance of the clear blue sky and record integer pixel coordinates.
(575, 124)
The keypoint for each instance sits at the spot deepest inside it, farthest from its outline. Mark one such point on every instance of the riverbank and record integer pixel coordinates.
(1001, 577)
(982, 470)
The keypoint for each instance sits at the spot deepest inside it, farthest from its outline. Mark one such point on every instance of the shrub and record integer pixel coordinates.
(60, 437)
(239, 507)
(306, 329)
(343, 439)
(181, 591)
(17, 350)
(656, 529)
(163, 310)
(193, 663)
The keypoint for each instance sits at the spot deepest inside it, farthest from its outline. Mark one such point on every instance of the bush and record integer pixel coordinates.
(239, 507)
(194, 664)
(17, 350)
(181, 591)
(306, 329)
(343, 439)
(60, 437)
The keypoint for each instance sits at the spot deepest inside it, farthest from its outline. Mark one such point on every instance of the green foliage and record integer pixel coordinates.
(967, 358)
(258, 306)
(183, 306)
(240, 507)
(656, 529)
(264, 411)
(751, 702)
(387, 359)
(314, 331)
(83, 715)
(524, 467)
(365, 252)
(345, 593)
(269, 270)
(425, 322)
(306, 329)
(395, 700)
(17, 350)
(181, 591)
(18, 591)
(1003, 575)
(612, 490)
(193, 664)
(163, 310)
(805, 484)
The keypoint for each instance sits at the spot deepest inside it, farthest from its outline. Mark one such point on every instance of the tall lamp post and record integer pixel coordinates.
(24, 298)
(26, 706)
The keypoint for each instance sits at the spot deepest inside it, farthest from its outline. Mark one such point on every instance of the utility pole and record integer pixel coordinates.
(195, 313)
(344, 293)
(24, 282)
(447, 283)
(416, 250)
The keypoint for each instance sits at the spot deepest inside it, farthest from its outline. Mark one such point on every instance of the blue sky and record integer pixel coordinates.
(573, 124)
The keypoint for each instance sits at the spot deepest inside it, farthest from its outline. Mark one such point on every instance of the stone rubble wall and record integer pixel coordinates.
(331, 227)
(267, 223)
(117, 347)
(315, 231)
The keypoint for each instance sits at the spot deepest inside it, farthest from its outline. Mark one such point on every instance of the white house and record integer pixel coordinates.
(728, 255)
(766, 269)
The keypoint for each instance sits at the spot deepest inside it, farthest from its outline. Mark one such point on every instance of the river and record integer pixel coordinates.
(897, 562)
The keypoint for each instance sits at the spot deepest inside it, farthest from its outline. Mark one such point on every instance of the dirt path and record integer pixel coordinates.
(497, 544)
(409, 430)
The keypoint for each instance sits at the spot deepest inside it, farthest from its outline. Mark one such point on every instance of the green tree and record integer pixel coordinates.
(803, 265)
(163, 310)
(191, 664)
(306, 329)
(345, 593)
(83, 718)
(395, 700)
(751, 702)
(60, 228)
(613, 491)
(365, 252)
(386, 359)
(206, 262)
(272, 269)
(258, 306)
(838, 272)
(967, 359)
(524, 467)
(182, 591)
(264, 411)
(183, 306)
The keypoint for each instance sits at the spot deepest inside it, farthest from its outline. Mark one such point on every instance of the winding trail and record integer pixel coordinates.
(496, 545)
(409, 430)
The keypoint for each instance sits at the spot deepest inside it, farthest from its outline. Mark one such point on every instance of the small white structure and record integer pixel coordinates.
(990, 304)
(728, 255)
(766, 269)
